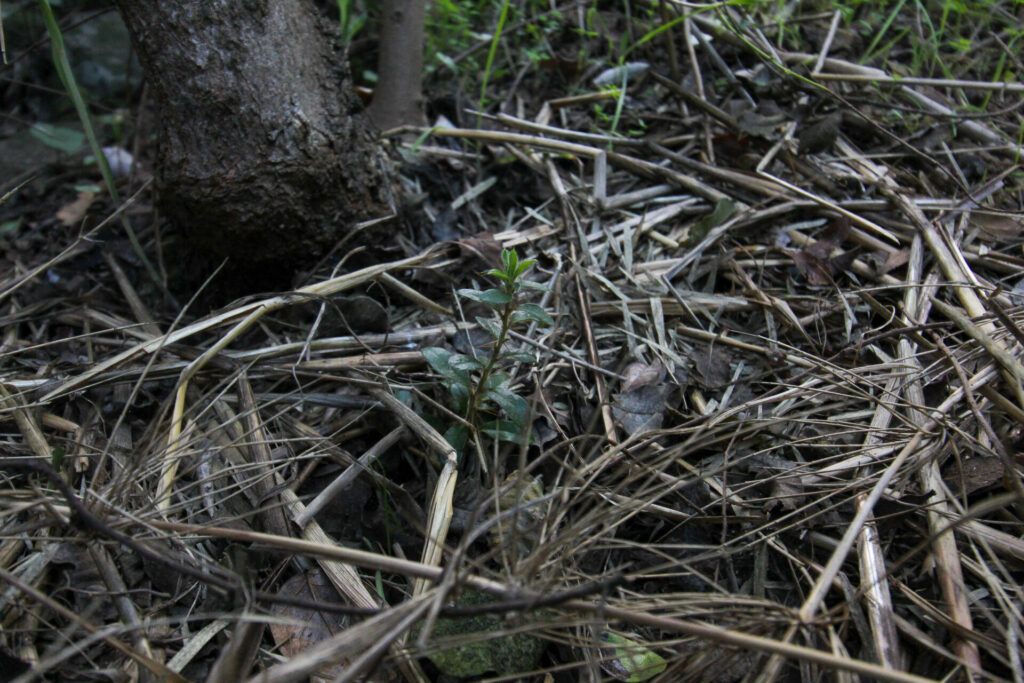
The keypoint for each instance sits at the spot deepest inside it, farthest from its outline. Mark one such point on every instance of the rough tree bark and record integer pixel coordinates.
(261, 156)
(398, 97)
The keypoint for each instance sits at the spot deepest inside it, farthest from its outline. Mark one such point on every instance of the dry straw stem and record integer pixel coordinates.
(175, 445)
(247, 314)
(439, 516)
(362, 639)
(881, 77)
(944, 547)
(877, 599)
(811, 379)
(628, 163)
(345, 578)
(351, 556)
(27, 425)
(106, 634)
(348, 477)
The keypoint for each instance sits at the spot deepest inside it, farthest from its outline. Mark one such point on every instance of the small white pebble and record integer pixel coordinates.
(120, 161)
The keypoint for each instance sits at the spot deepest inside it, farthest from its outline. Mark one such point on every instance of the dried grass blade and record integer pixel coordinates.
(249, 312)
(877, 598)
(439, 516)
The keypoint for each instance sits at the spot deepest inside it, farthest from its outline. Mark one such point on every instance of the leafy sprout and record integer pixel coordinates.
(479, 387)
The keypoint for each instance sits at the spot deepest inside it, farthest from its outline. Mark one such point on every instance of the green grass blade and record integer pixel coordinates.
(490, 55)
(67, 78)
(869, 53)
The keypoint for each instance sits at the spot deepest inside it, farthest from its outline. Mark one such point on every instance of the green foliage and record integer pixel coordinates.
(478, 388)
(937, 34)
(57, 456)
(67, 140)
(67, 78)
(349, 24)
(631, 660)
(490, 54)
(458, 30)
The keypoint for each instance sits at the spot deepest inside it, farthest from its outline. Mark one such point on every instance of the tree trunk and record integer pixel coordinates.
(398, 97)
(261, 154)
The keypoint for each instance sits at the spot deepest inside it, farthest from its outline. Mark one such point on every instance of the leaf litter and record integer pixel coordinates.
(775, 428)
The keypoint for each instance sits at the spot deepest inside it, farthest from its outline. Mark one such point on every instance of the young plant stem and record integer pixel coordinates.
(499, 343)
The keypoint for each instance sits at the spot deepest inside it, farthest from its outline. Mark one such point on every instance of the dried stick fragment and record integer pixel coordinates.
(602, 390)
(345, 578)
(601, 607)
(366, 360)
(877, 599)
(139, 309)
(411, 294)
(256, 442)
(27, 424)
(248, 314)
(346, 478)
(175, 446)
(939, 510)
(439, 516)
(149, 663)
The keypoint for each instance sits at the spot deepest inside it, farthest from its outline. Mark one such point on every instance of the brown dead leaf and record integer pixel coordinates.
(975, 474)
(568, 67)
(641, 404)
(309, 627)
(820, 249)
(837, 230)
(787, 492)
(641, 375)
(820, 136)
(483, 246)
(711, 366)
(885, 261)
(787, 488)
(816, 269)
(641, 409)
(71, 214)
(997, 226)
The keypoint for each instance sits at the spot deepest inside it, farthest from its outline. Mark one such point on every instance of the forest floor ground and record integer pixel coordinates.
(773, 431)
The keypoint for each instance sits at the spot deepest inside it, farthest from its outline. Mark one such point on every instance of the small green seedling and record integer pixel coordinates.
(628, 659)
(477, 385)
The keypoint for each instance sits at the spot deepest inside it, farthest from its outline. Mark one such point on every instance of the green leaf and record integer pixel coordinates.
(460, 396)
(499, 274)
(491, 297)
(723, 210)
(498, 378)
(514, 406)
(489, 325)
(524, 266)
(67, 78)
(462, 362)
(67, 140)
(457, 435)
(438, 359)
(447, 61)
(57, 456)
(532, 312)
(633, 661)
(502, 430)
(511, 260)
